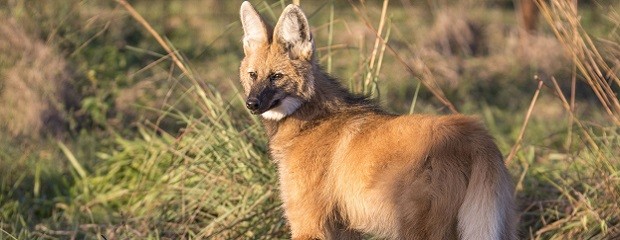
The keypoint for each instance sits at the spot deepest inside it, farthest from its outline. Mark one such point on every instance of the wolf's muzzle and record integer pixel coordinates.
(262, 99)
(257, 106)
(253, 104)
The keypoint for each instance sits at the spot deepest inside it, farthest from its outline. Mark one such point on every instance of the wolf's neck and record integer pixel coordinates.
(329, 98)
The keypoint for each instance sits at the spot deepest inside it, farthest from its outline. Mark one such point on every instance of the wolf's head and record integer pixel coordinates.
(277, 71)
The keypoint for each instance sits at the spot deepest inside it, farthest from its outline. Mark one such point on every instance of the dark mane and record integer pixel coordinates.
(334, 98)
(331, 99)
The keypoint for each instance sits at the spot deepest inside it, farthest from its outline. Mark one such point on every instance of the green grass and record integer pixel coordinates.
(148, 150)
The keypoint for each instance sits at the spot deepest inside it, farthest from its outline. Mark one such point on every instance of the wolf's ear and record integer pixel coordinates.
(292, 33)
(254, 28)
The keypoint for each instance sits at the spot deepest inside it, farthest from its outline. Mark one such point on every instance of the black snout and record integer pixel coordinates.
(252, 104)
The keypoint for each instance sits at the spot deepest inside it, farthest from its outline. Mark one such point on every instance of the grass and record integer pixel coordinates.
(152, 140)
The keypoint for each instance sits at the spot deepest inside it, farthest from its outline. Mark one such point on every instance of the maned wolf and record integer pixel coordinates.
(348, 168)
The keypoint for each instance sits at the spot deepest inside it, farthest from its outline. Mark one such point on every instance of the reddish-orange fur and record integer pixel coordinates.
(347, 168)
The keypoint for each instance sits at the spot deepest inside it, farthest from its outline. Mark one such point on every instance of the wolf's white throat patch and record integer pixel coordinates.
(286, 107)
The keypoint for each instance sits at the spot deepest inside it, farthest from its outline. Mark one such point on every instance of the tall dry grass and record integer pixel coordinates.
(586, 205)
(563, 18)
(34, 83)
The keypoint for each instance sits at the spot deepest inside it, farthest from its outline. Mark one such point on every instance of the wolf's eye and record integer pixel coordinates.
(276, 76)
(253, 75)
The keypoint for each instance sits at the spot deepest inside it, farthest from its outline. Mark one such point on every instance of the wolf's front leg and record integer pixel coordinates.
(307, 223)
(305, 207)
(306, 218)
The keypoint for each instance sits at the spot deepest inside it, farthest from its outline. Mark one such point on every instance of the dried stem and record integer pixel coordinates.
(517, 145)
(426, 76)
(156, 35)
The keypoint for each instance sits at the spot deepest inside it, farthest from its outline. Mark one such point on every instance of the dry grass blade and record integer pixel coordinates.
(8, 234)
(426, 78)
(563, 19)
(378, 39)
(157, 37)
(517, 145)
(167, 47)
(567, 107)
(330, 39)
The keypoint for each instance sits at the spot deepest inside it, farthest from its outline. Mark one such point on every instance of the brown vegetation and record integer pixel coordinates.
(34, 83)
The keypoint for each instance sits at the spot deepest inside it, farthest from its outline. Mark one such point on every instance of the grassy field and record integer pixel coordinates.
(124, 121)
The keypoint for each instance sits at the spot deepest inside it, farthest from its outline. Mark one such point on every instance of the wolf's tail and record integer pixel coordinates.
(487, 210)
